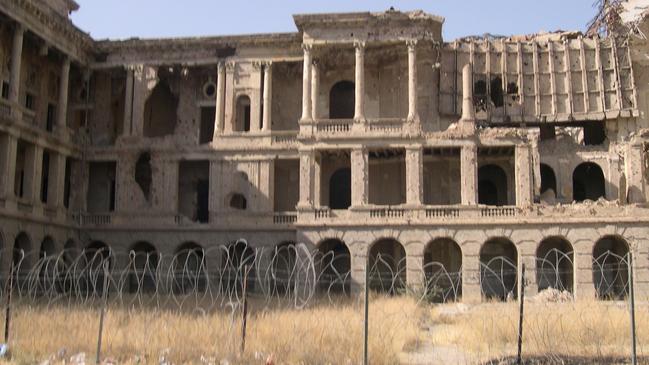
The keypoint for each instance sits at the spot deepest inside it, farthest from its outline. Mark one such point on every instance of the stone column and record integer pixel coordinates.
(307, 178)
(360, 177)
(16, 63)
(9, 150)
(128, 104)
(256, 96)
(33, 166)
(471, 290)
(317, 177)
(315, 89)
(230, 105)
(414, 175)
(413, 115)
(524, 183)
(467, 122)
(142, 75)
(219, 118)
(306, 82)
(268, 96)
(57, 181)
(62, 110)
(634, 171)
(469, 174)
(359, 90)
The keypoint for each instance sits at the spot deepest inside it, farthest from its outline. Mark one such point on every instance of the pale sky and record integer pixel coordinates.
(118, 19)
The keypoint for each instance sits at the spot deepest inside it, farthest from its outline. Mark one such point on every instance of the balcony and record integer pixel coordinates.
(349, 128)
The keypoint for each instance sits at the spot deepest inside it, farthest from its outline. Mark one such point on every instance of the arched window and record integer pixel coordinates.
(340, 189)
(611, 268)
(242, 117)
(143, 268)
(160, 111)
(588, 182)
(334, 261)
(492, 185)
(238, 201)
(387, 266)
(554, 264)
(548, 179)
(342, 100)
(189, 270)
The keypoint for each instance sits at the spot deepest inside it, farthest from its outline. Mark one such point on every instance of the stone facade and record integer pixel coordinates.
(359, 127)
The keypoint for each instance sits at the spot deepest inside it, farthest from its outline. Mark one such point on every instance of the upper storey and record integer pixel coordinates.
(386, 27)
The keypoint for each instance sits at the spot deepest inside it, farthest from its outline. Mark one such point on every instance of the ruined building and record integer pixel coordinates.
(361, 133)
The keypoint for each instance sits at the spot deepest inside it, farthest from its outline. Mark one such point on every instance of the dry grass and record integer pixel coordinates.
(581, 329)
(321, 334)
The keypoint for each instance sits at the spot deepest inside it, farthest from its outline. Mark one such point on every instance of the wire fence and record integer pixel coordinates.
(296, 305)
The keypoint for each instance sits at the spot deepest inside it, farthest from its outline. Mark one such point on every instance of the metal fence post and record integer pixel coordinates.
(634, 356)
(519, 357)
(10, 290)
(244, 314)
(367, 312)
(102, 313)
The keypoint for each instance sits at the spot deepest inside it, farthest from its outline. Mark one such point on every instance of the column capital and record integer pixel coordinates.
(220, 66)
(412, 44)
(268, 64)
(257, 65)
(230, 65)
(307, 48)
(359, 46)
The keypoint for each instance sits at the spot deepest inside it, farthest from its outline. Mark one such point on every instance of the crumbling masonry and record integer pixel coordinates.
(359, 133)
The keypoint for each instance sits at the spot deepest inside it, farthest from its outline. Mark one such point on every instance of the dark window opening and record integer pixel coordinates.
(594, 133)
(492, 185)
(206, 133)
(512, 88)
(45, 174)
(160, 111)
(238, 201)
(143, 174)
(242, 121)
(66, 184)
(497, 91)
(547, 132)
(30, 101)
(51, 114)
(111, 206)
(588, 182)
(203, 195)
(340, 189)
(5, 90)
(480, 95)
(548, 179)
(342, 100)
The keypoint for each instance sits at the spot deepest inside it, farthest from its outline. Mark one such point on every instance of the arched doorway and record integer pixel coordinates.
(610, 268)
(97, 258)
(548, 179)
(238, 259)
(499, 269)
(554, 264)
(340, 189)
(143, 268)
(588, 182)
(242, 117)
(443, 270)
(284, 268)
(21, 258)
(47, 260)
(189, 270)
(335, 265)
(342, 100)
(492, 185)
(387, 266)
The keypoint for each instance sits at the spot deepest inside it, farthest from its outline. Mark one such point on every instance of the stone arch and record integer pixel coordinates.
(21, 261)
(284, 267)
(237, 201)
(610, 267)
(160, 111)
(588, 182)
(70, 252)
(242, 114)
(237, 258)
(342, 100)
(189, 268)
(334, 265)
(498, 269)
(492, 185)
(548, 179)
(96, 255)
(555, 264)
(387, 260)
(48, 248)
(340, 189)
(443, 270)
(143, 267)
